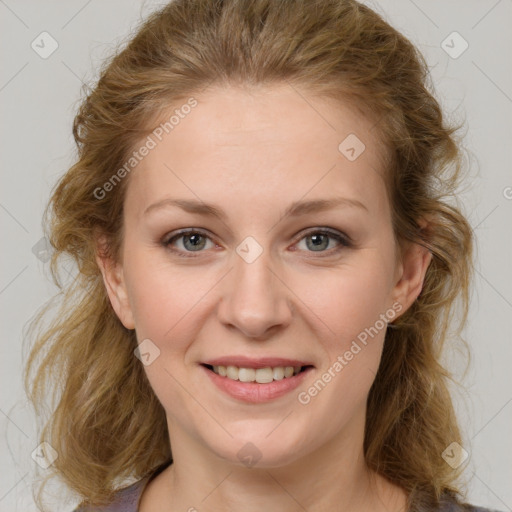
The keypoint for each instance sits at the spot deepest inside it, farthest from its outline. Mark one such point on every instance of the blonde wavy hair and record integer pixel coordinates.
(106, 422)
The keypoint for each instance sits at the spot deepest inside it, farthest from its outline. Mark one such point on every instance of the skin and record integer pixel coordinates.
(253, 153)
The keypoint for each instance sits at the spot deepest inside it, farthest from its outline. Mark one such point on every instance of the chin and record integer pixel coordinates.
(258, 451)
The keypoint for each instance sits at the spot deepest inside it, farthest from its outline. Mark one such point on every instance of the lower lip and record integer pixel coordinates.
(254, 392)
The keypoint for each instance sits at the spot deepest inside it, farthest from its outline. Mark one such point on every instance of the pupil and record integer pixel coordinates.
(318, 240)
(196, 240)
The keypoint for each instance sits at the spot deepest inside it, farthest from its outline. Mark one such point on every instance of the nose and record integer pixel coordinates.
(255, 298)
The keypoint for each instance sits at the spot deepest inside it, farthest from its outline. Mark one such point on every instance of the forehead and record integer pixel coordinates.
(261, 145)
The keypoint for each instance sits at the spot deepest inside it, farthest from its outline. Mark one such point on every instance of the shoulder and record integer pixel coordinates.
(449, 502)
(126, 499)
(452, 505)
(466, 508)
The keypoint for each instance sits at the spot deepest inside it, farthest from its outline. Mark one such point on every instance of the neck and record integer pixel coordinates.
(332, 477)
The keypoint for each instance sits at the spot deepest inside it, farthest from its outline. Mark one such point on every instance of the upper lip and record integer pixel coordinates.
(260, 362)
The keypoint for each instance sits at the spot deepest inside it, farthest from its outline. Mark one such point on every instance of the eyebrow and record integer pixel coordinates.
(295, 209)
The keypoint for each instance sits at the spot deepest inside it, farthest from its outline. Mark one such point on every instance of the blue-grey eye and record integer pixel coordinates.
(192, 241)
(318, 241)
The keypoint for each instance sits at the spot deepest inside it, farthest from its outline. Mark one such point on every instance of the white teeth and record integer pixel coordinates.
(263, 375)
(232, 372)
(246, 375)
(278, 373)
(260, 375)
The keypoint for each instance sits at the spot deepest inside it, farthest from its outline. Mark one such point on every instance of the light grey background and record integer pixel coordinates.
(38, 97)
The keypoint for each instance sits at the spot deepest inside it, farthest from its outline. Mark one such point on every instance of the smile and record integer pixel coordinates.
(260, 375)
(256, 385)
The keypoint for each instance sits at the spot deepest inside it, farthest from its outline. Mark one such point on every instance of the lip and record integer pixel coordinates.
(254, 392)
(260, 362)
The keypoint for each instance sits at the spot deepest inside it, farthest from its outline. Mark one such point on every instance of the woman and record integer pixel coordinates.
(267, 263)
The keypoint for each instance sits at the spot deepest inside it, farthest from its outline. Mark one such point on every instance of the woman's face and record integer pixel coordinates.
(253, 281)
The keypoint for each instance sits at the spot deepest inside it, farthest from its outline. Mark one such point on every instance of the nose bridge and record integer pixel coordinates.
(254, 299)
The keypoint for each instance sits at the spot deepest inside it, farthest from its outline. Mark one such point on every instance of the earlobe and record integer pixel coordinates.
(113, 279)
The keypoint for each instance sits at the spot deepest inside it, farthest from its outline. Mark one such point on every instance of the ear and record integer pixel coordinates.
(113, 278)
(411, 271)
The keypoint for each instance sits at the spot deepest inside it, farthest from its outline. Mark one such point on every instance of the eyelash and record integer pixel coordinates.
(343, 240)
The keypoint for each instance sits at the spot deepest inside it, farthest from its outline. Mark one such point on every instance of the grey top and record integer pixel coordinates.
(128, 498)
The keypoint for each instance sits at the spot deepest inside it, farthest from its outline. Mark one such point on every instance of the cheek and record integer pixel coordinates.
(349, 298)
(162, 296)
(352, 305)
(172, 304)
